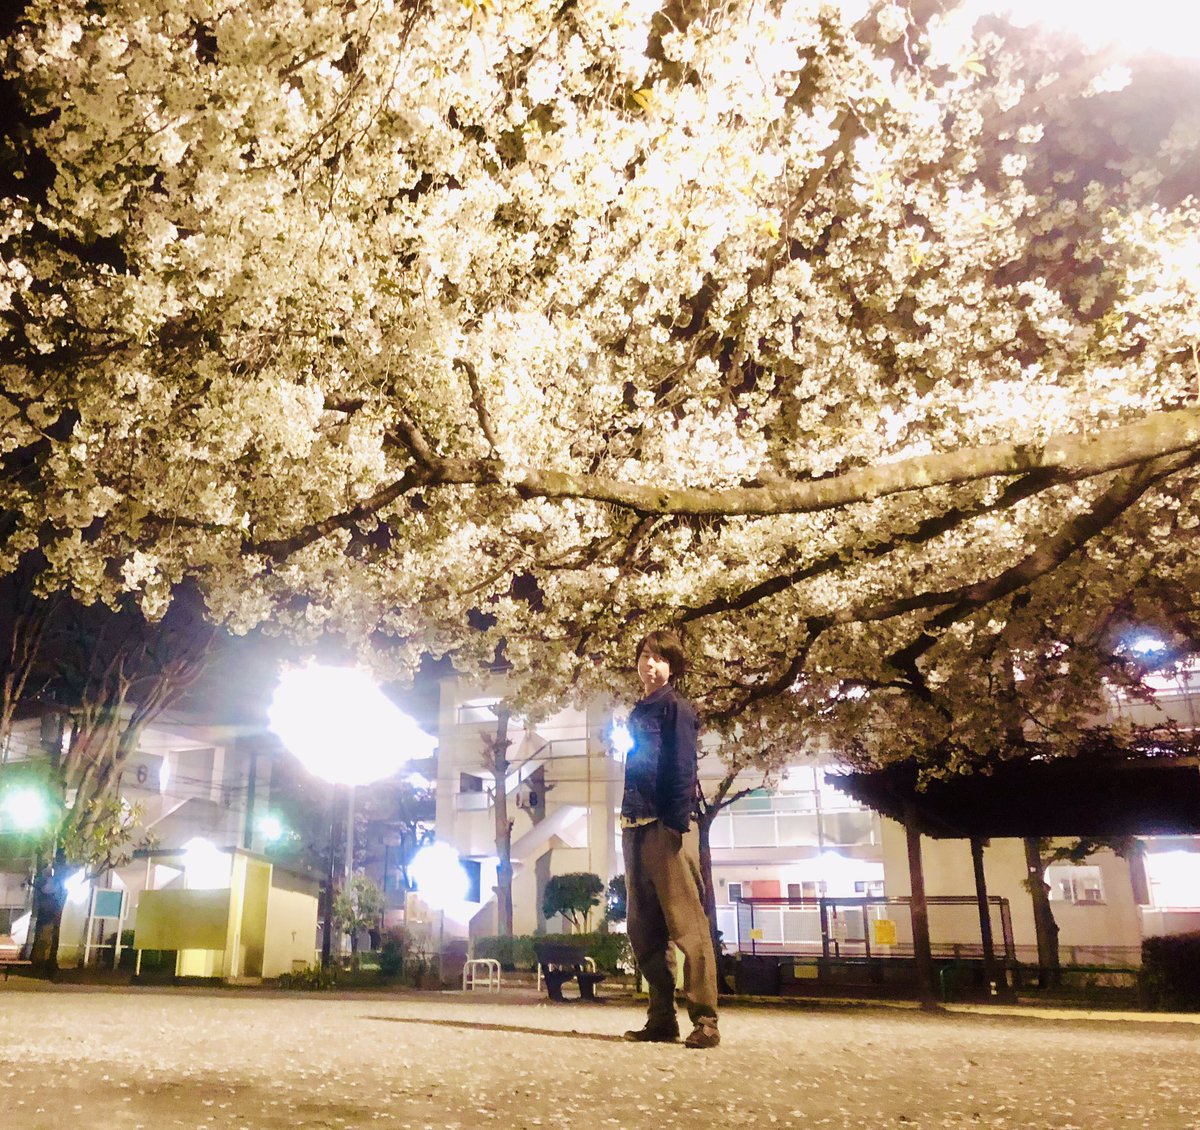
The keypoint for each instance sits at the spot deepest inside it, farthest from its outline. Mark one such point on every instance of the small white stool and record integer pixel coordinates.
(483, 971)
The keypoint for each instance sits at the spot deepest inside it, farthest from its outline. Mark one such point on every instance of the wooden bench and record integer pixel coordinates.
(10, 956)
(559, 962)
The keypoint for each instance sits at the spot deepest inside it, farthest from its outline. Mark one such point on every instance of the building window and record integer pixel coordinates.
(1080, 886)
(872, 888)
(478, 710)
(734, 892)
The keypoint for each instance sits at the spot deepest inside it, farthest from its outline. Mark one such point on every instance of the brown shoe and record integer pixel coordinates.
(704, 1035)
(654, 1034)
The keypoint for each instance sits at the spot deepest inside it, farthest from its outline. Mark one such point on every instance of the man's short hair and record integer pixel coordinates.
(666, 645)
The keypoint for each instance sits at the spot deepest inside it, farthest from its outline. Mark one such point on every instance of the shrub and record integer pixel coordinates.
(512, 952)
(616, 908)
(391, 957)
(311, 977)
(1170, 977)
(611, 952)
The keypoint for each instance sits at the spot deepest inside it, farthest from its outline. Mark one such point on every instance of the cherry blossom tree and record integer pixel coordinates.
(859, 338)
(99, 678)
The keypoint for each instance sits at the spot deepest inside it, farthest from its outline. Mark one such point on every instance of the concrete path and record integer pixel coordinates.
(73, 1058)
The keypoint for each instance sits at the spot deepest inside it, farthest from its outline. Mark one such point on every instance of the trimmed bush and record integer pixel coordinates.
(312, 978)
(1170, 977)
(512, 952)
(611, 952)
(391, 958)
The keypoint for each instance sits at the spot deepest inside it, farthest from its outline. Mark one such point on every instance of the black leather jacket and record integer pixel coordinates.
(660, 770)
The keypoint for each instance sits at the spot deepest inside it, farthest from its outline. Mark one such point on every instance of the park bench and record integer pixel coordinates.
(10, 956)
(559, 962)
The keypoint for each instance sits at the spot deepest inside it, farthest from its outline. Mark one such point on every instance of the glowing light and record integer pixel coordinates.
(1174, 877)
(342, 727)
(439, 875)
(620, 739)
(77, 887)
(271, 828)
(419, 781)
(1164, 26)
(1147, 645)
(26, 809)
(205, 867)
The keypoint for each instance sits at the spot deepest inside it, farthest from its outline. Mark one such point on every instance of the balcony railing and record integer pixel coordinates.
(739, 829)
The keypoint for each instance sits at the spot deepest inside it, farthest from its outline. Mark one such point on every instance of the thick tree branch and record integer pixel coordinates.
(958, 603)
(1070, 457)
(281, 548)
(1063, 459)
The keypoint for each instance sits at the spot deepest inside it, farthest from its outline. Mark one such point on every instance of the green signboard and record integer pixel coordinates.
(107, 904)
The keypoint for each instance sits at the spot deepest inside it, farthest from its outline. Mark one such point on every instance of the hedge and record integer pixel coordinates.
(610, 951)
(1170, 977)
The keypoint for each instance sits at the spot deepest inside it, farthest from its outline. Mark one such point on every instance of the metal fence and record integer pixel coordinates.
(865, 927)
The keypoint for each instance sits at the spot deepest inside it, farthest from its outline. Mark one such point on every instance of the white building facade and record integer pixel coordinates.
(802, 840)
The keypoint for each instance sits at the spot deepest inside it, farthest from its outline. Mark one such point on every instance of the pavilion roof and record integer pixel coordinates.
(1089, 795)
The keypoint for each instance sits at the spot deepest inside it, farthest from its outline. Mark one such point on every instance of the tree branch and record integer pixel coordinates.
(1044, 559)
(481, 410)
(1064, 458)
(927, 530)
(958, 603)
(1069, 457)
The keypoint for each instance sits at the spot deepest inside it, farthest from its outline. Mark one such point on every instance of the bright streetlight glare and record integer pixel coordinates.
(205, 866)
(1169, 27)
(342, 727)
(26, 809)
(1147, 645)
(439, 875)
(271, 828)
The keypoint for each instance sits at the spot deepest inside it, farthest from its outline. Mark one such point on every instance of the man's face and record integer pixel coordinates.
(653, 670)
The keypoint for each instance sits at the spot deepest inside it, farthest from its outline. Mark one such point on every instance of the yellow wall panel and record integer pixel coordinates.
(179, 920)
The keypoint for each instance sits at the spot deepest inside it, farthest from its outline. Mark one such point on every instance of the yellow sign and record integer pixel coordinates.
(756, 934)
(885, 932)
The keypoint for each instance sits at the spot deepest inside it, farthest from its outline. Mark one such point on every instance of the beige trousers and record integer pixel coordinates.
(664, 903)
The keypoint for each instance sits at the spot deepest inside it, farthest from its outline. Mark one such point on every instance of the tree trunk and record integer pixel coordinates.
(1049, 971)
(45, 927)
(704, 822)
(496, 760)
(922, 954)
(990, 973)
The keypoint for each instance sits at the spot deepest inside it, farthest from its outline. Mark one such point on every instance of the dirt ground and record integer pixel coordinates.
(73, 1057)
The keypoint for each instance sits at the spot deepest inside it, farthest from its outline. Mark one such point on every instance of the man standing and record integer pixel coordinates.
(661, 846)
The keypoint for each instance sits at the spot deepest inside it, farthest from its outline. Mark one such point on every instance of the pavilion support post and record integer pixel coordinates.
(990, 973)
(922, 950)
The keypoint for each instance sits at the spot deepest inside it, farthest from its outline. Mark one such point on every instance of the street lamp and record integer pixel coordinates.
(343, 729)
(442, 884)
(25, 809)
